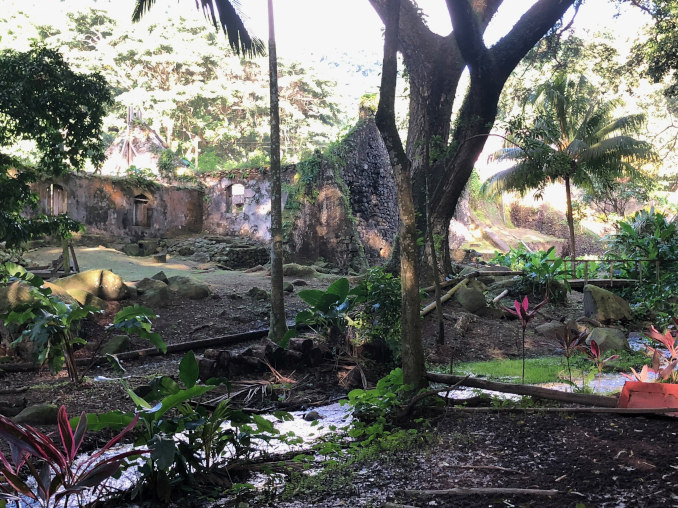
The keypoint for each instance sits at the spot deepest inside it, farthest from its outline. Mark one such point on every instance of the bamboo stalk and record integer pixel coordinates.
(430, 307)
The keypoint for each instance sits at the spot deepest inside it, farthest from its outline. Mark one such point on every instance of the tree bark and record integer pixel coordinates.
(435, 64)
(570, 223)
(412, 353)
(278, 323)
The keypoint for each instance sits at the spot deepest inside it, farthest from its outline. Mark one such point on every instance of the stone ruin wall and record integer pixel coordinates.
(325, 227)
(118, 208)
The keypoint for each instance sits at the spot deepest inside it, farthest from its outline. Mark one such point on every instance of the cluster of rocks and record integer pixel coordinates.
(231, 253)
(603, 310)
(155, 291)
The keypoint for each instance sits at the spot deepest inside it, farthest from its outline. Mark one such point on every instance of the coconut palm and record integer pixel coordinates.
(574, 138)
(224, 14)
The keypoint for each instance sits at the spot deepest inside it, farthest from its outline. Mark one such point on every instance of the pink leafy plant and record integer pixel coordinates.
(59, 475)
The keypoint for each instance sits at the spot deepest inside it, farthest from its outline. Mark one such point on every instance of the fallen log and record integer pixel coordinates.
(223, 340)
(533, 391)
(478, 273)
(474, 491)
(445, 297)
(591, 410)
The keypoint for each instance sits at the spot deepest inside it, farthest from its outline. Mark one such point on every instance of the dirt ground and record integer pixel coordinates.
(591, 460)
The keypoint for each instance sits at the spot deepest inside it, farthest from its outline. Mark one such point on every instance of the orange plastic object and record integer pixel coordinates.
(636, 394)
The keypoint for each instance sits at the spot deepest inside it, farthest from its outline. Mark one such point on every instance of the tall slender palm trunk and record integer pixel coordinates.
(278, 325)
(570, 223)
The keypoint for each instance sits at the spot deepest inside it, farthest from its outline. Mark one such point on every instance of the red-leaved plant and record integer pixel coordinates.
(59, 475)
(668, 340)
(596, 355)
(525, 315)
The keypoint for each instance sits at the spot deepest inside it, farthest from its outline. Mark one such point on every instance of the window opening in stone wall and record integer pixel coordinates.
(57, 200)
(236, 193)
(143, 213)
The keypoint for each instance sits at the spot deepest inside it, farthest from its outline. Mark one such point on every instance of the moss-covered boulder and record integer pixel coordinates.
(605, 306)
(153, 293)
(188, 287)
(15, 296)
(608, 339)
(102, 283)
(40, 414)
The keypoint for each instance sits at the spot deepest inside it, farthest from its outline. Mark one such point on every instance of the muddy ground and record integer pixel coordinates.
(591, 460)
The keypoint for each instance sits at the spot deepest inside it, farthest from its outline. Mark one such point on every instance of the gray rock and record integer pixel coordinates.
(200, 257)
(153, 293)
(147, 284)
(188, 287)
(160, 276)
(185, 250)
(133, 249)
(299, 282)
(116, 344)
(311, 416)
(259, 294)
(472, 300)
(40, 414)
(604, 305)
(608, 339)
(288, 288)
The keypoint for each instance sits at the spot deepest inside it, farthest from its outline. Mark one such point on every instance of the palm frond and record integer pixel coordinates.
(510, 153)
(224, 14)
(141, 8)
(618, 147)
(520, 178)
(625, 124)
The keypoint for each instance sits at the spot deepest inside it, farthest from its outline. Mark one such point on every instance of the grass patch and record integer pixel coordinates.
(547, 369)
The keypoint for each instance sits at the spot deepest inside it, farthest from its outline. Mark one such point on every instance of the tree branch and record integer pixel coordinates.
(468, 32)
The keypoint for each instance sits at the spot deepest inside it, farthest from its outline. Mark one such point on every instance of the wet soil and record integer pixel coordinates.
(597, 460)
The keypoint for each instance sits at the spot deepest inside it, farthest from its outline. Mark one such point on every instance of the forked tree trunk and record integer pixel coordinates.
(278, 324)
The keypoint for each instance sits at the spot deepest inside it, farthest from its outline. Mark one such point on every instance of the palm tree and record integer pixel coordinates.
(574, 138)
(224, 14)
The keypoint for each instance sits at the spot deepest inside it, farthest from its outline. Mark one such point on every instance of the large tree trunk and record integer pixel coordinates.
(278, 326)
(435, 64)
(412, 351)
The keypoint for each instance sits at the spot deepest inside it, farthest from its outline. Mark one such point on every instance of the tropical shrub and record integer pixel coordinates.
(60, 473)
(377, 303)
(648, 235)
(544, 273)
(187, 439)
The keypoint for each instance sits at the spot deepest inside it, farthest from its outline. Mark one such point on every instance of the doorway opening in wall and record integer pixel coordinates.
(236, 195)
(143, 213)
(58, 203)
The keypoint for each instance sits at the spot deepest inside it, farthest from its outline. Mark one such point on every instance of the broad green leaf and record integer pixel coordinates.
(339, 287)
(188, 370)
(114, 420)
(311, 296)
(172, 401)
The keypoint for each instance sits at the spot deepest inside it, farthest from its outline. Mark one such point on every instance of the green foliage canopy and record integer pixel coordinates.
(59, 111)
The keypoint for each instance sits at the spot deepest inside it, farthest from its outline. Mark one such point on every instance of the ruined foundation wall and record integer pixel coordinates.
(118, 207)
